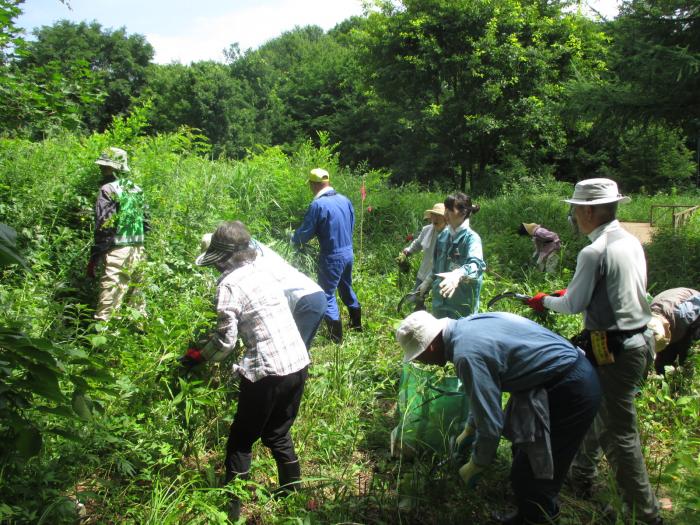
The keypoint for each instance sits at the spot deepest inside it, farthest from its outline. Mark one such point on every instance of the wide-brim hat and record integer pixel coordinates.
(115, 158)
(416, 332)
(530, 227)
(591, 192)
(217, 251)
(319, 175)
(437, 209)
(661, 329)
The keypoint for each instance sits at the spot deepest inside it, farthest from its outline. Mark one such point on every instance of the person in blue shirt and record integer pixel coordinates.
(330, 217)
(458, 266)
(554, 389)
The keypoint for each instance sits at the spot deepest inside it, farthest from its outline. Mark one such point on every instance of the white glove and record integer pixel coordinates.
(450, 282)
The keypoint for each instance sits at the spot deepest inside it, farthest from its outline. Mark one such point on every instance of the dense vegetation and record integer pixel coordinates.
(515, 99)
(470, 93)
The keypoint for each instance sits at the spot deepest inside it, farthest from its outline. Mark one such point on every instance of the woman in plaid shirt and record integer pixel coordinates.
(273, 367)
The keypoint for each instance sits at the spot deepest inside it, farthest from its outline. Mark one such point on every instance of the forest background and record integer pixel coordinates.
(510, 100)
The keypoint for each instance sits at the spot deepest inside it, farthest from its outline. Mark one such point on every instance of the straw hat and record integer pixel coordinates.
(661, 329)
(437, 209)
(416, 332)
(591, 192)
(530, 227)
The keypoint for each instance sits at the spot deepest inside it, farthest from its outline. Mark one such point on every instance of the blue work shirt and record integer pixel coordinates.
(331, 218)
(501, 352)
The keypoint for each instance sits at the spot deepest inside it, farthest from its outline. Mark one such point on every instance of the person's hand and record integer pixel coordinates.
(450, 282)
(536, 302)
(470, 474)
(90, 269)
(558, 293)
(192, 357)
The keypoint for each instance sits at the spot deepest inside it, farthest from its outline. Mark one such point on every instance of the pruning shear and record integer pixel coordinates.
(408, 298)
(508, 295)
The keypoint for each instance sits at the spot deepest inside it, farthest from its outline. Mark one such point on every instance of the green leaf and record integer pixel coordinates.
(81, 405)
(98, 374)
(98, 340)
(44, 382)
(62, 410)
(28, 441)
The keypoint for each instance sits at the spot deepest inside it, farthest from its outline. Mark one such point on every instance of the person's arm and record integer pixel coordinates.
(307, 230)
(223, 340)
(486, 415)
(474, 264)
(687, 315)
(580, 289)
(105, 209)
(417, 244)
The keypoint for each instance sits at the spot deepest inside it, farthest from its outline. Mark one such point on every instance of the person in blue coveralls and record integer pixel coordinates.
(331, 218)
(555, 394)
(458, 266)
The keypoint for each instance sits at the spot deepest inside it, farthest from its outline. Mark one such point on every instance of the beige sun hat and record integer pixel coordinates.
(661, 329)
(416, 332)
(319, 175)
(114, 158)
(596, 191)
(530, 227)
(437, 209)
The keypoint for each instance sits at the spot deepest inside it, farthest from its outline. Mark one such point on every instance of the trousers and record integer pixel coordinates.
(615, 433)
(120, 274)
(573, 402)
(266, 410)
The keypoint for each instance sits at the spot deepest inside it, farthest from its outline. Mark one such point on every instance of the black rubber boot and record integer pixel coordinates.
(355, 319)
(289, 477)
(237, 467)
(335, 330)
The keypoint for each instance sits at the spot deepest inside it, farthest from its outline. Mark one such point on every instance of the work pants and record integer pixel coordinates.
(266, 410)
(335, 273)
(573, 402)
(120, 273)
(615, 432)
(308, 313)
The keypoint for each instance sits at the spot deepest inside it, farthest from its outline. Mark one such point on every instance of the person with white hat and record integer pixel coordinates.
(331, 218)
(120, 226)
(555, 394)
(547, 246)
(675, 323)
(609, 288)
(425, 242)
(274, 366)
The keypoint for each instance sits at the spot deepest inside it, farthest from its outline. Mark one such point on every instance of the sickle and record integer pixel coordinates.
(508, 295)
(407, 297)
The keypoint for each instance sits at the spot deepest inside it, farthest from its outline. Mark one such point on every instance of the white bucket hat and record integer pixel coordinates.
(114, 158)
(661, 329)
(416, 332)
(590, 192)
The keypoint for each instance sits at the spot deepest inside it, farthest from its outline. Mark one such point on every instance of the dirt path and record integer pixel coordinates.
(641, 230)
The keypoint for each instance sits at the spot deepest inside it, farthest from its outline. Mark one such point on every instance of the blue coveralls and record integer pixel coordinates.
(331, 218)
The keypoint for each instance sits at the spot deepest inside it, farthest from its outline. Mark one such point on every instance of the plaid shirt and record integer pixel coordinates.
(250, 304)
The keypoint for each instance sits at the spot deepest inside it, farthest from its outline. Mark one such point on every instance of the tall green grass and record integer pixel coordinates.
(153, 449)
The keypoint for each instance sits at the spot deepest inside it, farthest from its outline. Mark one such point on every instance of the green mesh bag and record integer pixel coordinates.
(432, 409)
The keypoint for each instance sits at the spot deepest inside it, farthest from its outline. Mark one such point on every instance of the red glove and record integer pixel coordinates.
(192, 357)
(90, 269)
(558, 293)
(537, 302)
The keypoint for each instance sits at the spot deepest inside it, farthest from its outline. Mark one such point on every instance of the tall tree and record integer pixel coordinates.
(476, 82)
(119, 61)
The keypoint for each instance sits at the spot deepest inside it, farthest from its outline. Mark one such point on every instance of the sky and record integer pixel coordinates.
(187, 30)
